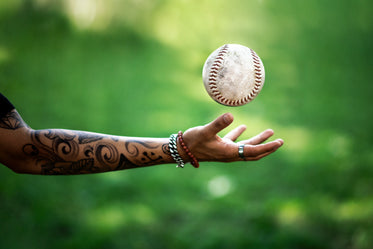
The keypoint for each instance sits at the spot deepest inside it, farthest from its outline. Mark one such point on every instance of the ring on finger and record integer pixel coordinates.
(240, 151)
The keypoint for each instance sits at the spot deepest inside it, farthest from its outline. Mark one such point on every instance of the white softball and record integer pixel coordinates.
(233, 75)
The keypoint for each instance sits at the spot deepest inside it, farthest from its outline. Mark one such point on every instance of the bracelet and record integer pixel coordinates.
(174, 152)
(194, 160)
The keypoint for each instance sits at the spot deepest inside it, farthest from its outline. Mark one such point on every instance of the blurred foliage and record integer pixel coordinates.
(133, 67)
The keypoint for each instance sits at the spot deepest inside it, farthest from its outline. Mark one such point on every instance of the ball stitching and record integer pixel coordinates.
(214, 73)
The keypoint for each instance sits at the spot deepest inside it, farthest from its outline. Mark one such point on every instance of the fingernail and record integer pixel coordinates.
(227, 117)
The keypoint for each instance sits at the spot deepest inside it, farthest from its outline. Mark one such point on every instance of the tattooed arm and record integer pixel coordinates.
(57, 151)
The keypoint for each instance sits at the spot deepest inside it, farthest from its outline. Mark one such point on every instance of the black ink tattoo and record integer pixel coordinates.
(52, 150)
(148, 157)
(89, 138)
(64, 152)
(55, 151)
(166, 149)
(132, 147)
(12, 121)
(63, 143)
(124, 163)
(106, 154)
(69, 168)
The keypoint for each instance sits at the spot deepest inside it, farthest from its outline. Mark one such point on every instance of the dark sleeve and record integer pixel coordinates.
(5, 106)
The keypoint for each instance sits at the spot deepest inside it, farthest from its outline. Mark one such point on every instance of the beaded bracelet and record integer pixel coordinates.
(174, 152)
(194, 161)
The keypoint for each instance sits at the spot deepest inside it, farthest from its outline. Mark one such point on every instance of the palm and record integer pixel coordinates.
(208, 146)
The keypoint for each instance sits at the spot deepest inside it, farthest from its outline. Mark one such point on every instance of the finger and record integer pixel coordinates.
(217, 125)
(269, 152)
(260, 138)
(235, 133)
(261, 156)
(257, 150)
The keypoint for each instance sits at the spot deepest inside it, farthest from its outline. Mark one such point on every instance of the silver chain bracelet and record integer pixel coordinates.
(174, 152)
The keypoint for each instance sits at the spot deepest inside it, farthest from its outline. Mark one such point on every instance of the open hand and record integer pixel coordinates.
(206, 145)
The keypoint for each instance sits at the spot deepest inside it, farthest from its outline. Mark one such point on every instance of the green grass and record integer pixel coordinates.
(141, 76)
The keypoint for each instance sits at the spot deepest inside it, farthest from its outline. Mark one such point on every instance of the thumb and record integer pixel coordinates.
(218, 124)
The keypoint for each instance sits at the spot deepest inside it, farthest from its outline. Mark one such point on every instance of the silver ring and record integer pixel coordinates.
(240, 151)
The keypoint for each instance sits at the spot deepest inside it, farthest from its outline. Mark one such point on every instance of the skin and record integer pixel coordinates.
(69, 152)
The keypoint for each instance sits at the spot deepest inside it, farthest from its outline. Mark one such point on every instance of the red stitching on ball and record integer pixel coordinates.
(214, 73)
(258, 75)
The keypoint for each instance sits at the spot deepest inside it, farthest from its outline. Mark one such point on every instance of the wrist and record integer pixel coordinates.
(180, 152)
(191, 157)
(183, 154)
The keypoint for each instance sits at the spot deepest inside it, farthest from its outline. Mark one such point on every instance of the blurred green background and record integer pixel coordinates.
(133, 67)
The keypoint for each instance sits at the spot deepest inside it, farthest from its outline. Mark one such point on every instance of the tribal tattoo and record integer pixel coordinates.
(64, 152)
(12, 121)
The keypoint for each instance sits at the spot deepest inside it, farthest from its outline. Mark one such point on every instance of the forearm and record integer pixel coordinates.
(67, 152)
(57, 151)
